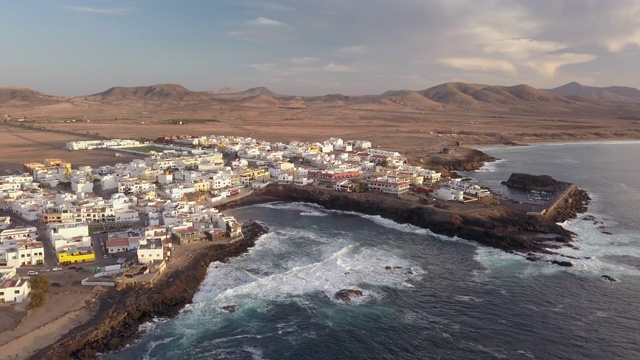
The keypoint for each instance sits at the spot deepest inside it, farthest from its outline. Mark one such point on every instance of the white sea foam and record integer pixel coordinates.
(466, 298)
(490, 166)
(153, 344)
(313, 213)
(284, 268)
(595, 253)
(294, 206)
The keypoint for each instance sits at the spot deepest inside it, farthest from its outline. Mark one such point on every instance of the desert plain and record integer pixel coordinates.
(417, 124)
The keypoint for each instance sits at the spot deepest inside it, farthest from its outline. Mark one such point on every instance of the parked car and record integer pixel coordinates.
(104, 256)
(121, 260)
(32, 273)
(72, 267)
(57, 268)
(44, 270)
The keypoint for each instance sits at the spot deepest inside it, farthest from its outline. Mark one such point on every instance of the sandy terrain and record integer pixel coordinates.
(20, 145)
(63, 311)
(416, 133)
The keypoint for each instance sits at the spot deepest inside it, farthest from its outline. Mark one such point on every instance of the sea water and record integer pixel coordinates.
(443, 298)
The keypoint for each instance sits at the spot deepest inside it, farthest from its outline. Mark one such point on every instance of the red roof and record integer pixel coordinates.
(187, 230)
(119, 242)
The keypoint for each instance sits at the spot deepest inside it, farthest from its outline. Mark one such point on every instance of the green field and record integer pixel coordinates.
(146, 149)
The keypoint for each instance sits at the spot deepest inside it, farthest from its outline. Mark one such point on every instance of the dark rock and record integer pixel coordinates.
(562, 263)
(387, 267)
(529, 182)
(532, 257)
(607, 277)
(607, 232)
(345, 295)
(230, 308)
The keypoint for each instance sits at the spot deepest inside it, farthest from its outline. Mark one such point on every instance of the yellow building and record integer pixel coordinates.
(73, 256)
(30, 167)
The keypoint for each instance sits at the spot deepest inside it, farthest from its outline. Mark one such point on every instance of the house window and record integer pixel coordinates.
(1, 293)
(17, 291)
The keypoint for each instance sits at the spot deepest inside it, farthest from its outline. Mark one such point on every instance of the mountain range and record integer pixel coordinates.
(447, 96)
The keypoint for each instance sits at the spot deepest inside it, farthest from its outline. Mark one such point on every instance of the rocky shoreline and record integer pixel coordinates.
(120, 313)
(497, 227)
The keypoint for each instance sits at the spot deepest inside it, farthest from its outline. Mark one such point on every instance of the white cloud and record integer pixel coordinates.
(96, 10)
(549, 64)
(356, 50)
(619, 44)
(332, 67)
(263, 21)
(304, 60)
(263, 66)
(478, 63)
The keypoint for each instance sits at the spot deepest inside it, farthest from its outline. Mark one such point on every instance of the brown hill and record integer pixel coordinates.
(582, 92)
(160, 92)
(478, 95)
(260, 90)
(260, 100)
(16, 95)
(410, 99)
(452, 94)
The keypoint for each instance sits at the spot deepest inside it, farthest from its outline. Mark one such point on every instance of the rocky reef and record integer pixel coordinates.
(121, 313)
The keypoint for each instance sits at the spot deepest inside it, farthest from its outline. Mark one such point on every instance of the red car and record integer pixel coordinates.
(72, 267)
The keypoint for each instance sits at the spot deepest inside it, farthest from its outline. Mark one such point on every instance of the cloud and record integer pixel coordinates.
(263, 21)
(304, 60)
(332, 67)
(623, 42)
(549, 64)
(477, 63)
(263, 66)
(96, 10)
(356, 50)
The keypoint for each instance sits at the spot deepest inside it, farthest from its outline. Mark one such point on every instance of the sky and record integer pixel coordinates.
(316, 47)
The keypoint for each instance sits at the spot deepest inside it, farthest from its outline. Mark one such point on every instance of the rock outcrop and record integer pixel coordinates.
(346, 295)
(461, 159)
(529, 182)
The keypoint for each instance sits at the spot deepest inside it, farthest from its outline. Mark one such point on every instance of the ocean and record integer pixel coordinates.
(442, 298)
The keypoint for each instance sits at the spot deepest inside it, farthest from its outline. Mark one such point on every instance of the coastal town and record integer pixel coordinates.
(118, 224)
(123, 225)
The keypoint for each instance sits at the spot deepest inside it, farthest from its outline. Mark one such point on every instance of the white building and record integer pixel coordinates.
(26, 253)
(80, 185)
(449, 194)
(127, 216)
(63, 236)
(150, 250)
(13, 289)
(13, 236)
